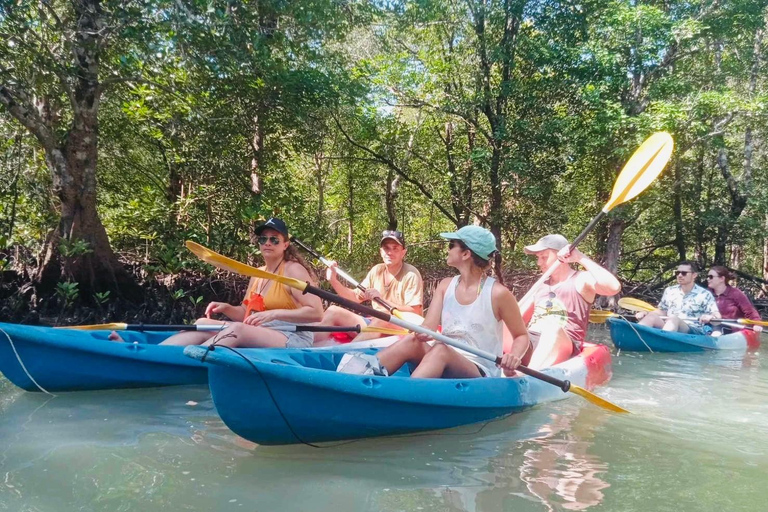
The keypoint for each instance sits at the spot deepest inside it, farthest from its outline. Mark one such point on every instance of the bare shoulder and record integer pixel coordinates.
(296, 270)
(500, 291)
(443, 284)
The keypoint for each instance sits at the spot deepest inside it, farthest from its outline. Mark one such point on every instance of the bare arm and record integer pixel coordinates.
(311, 307)
(338, 286)
(596, 280)
(505, 309)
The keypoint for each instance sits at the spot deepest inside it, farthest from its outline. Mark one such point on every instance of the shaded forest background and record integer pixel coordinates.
(127, 127)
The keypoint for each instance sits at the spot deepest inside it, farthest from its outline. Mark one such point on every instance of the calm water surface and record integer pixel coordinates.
(697, 441)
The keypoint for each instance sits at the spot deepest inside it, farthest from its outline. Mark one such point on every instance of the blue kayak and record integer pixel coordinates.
(640, 338)
(73, 360)
(292, 396)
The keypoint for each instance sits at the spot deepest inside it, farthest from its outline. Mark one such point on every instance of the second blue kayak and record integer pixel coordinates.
(640, 338)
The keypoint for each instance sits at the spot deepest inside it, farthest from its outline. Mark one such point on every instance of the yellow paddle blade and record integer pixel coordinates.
(642, 168)
(97, 327)
(598, 316)
(385, 330)
(600, 402)
(747, 321)
(224, 263)
(408, 316)
(632, 304)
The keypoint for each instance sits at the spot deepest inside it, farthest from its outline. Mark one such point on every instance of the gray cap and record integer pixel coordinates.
(554, 242)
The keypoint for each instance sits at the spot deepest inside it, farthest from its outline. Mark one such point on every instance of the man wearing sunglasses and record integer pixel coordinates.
(558, 316)
(684, 307)
(397, 282)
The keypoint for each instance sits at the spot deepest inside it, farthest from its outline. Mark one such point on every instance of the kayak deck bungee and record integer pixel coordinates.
(641, 338)
(296, 396)
(38, 358)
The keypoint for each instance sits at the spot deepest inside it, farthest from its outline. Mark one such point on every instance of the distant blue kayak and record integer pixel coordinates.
(74, 360)
(640, 338)
(292, 396)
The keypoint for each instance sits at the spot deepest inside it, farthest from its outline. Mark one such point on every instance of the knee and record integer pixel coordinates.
(440, 352)
(331, 313)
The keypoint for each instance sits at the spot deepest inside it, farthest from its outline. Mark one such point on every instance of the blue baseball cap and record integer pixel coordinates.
(273, 223)
(479, 240)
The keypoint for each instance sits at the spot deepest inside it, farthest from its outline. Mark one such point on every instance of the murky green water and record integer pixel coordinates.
(697, 441)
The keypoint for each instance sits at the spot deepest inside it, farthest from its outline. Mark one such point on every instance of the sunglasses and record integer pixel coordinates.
(454, 243)
(712, 277)
(548, 304)
(392, 232)
(271, 239)
(681, 272)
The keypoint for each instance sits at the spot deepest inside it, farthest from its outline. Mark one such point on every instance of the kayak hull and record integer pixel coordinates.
(296, 396)
(640, 338)
(56, 360)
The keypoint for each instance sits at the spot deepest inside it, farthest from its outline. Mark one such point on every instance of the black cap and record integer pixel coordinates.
(391, 234)
(273, 223)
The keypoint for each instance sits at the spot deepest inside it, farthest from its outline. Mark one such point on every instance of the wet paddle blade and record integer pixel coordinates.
(222, 262)
(747, 321)
(632, 304)
(600, 402)
(597, 316)
(643, 167)
(97, 327)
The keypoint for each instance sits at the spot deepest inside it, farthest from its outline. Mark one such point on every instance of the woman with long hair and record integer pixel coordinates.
(268, 305)
(731, 301)
(470, 307)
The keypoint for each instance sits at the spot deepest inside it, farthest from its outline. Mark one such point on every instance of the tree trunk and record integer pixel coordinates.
(765, 255)
(350, 210)
(390, 198)
(677, 209)
(73, 165)
(255, 174)
(613, 244)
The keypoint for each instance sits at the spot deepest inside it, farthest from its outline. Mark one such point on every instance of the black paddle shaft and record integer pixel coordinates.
(354, 306)
(360, 287)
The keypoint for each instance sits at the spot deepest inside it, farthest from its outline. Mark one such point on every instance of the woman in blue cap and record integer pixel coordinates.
(470, 307)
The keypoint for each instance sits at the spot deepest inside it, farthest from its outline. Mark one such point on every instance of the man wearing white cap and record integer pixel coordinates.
(558, 316)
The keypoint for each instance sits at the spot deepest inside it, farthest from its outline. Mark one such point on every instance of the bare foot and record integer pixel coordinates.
(113, 336)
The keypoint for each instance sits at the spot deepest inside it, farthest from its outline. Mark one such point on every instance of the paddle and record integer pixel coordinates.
(632, 304)
(638, 173)
(408, 316)
(599, 316)
(219, 327)
(222, 262)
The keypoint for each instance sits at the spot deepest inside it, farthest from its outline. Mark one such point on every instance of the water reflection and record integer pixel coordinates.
(696, 442)
(558, 469)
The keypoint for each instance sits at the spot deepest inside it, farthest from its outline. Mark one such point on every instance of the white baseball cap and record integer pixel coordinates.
(554, 242)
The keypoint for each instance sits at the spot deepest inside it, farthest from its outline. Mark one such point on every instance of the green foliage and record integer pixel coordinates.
(67, 292)
(346, 118)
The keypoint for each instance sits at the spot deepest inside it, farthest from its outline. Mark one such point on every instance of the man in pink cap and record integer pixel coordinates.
(558, 315)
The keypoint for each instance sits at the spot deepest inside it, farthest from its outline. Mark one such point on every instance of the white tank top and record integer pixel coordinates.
(474, 324)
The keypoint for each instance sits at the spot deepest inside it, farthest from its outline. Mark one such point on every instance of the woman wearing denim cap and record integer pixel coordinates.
(268, 305)
(470, 307)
